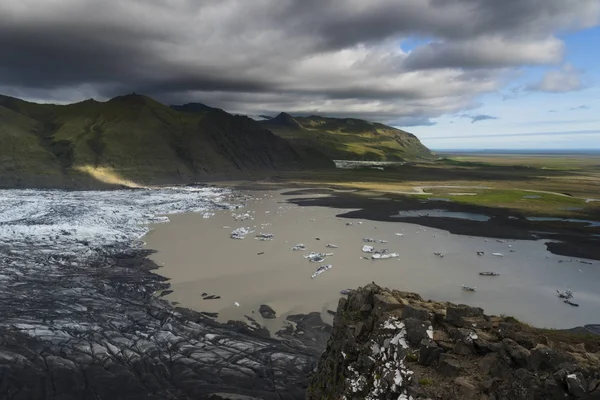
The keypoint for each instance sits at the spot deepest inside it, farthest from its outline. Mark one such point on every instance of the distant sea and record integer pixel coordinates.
(591, 152)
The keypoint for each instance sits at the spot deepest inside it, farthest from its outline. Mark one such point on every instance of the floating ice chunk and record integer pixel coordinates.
(264, 236)
(240, 233)
(317, 257)
(331, 246)
(299, 247)
(368, 249)
(235, 303)
(320, 270)
(498, 254)
(371, 240)
(399, 234)
(384, 256)
(567, 294)
(241, 217)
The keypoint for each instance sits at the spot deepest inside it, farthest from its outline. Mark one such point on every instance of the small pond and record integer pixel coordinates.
(439, 213)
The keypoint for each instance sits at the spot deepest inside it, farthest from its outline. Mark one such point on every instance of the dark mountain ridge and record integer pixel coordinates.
(134, 139)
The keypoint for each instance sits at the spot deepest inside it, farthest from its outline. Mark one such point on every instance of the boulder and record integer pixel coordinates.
(519, 354)
(488, 384)
(463, 349)
(429, 352)
(493, 364)
(361, 296)
(483, 346)
(554, 390)
(455, 313)
(576, 384)
(366, 308)
(545, 358)
(386, 302)
(449, 365)
(267, 312)
(465, 389)
(411, 311)
(594, 384)
(593, 395)
(440, 336)
(416, 330)
(487, 363)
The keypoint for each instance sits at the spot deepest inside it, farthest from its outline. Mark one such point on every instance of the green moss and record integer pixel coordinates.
(412, 357)
(425, 382)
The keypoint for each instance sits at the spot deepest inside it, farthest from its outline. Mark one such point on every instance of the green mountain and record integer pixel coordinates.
(134, 140)
(348, 138)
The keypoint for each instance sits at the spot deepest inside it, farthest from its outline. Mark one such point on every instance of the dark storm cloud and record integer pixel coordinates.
(331, 56)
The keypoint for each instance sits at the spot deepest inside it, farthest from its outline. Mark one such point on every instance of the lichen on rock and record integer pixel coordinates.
(394, 345)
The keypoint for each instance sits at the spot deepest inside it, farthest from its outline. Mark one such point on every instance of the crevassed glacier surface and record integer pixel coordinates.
(78, 222)
(78, 318)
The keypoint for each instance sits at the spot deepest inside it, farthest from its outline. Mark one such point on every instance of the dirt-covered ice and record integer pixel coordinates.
(79, 317)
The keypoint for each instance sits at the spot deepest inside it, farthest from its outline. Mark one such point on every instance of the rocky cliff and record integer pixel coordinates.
(395, 345)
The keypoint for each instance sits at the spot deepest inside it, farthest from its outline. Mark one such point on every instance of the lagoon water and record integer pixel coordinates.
(198, 256)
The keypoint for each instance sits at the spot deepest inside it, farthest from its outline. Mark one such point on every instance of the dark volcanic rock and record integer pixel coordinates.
(455, 314)
(517, 353)
(576, 384)
(449, 365)
(396, 351)
(307, 332)
(416, 330)
(429, 352)
(548, 359)
(410, 311)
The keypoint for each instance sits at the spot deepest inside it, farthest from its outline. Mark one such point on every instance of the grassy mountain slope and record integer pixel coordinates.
(132, 139)
(348, 138)
(18, 136)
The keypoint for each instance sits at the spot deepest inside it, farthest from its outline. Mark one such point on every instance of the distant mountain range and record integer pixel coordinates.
(134, 139)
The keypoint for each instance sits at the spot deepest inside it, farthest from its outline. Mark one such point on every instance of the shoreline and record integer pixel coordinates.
(81, 301)
(232, 281)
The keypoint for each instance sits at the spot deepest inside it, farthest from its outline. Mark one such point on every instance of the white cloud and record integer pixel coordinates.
(565, 79)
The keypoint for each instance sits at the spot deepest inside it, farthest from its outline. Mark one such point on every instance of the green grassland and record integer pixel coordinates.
(560, 185)
(348, 138)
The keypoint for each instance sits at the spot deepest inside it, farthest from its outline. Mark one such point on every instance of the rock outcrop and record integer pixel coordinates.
(395, 345)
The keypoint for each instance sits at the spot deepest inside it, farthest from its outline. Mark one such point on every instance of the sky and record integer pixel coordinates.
(460, 74)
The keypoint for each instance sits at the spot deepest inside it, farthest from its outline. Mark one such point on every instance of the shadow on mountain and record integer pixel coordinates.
(137, 140)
